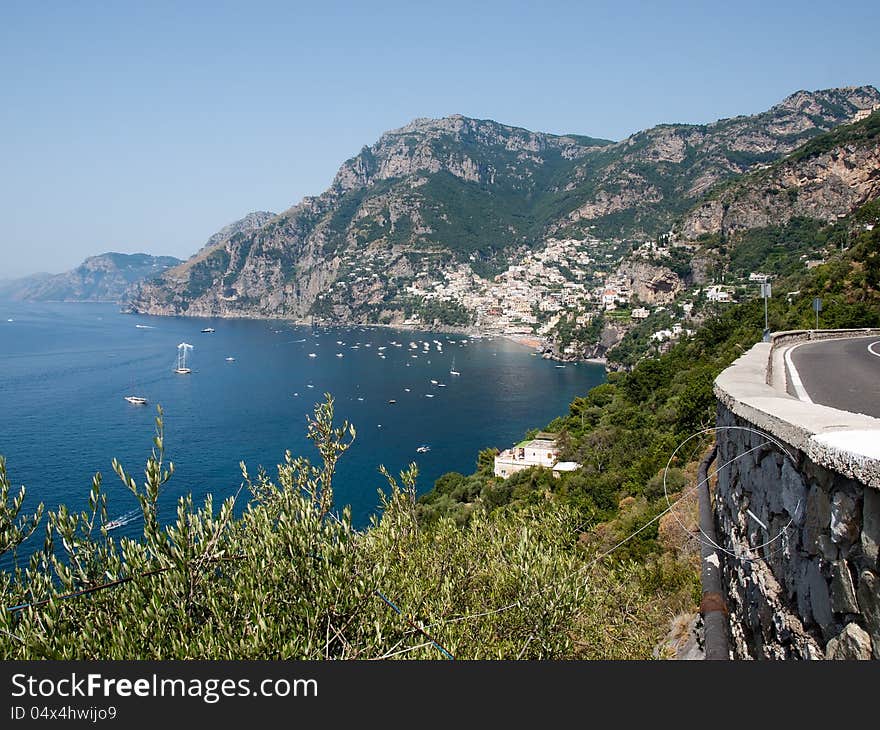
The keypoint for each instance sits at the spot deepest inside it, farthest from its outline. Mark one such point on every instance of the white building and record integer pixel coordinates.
(537, 452)
(639, 313)
(717, 293)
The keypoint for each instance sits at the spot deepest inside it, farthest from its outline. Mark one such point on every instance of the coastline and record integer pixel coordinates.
(538, 344)
(546, 347)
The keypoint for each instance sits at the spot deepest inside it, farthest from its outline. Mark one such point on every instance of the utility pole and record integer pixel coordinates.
(817, 307)
(765, 293)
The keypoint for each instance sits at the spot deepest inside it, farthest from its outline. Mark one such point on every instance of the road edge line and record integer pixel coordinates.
(795, 376)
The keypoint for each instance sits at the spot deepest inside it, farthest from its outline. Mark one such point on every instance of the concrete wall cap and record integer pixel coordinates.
(848, 443)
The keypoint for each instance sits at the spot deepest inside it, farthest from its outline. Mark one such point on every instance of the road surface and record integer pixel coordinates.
(843, 374)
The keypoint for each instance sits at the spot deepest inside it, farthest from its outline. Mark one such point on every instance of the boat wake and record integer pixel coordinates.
(123, 519)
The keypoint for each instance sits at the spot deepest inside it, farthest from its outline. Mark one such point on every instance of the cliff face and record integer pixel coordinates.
(105, 278)
(646, 181)
(825, 180)
(436, 193)
(650, 283)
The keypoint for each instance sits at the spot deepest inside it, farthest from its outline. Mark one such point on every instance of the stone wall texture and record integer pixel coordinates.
(813, 592)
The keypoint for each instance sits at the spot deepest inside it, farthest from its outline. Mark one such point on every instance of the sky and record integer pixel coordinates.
(135, 126)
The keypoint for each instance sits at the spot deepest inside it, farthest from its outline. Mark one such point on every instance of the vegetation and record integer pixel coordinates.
(291, 578)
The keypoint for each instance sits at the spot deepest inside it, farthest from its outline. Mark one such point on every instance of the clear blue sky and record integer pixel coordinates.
(146, 126)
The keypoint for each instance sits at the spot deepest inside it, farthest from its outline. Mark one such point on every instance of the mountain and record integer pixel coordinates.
(105, 278)
(251, 222)
(825, 179)
(442, 193)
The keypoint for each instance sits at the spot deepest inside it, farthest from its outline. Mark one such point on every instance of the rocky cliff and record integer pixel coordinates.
(105, 278)
(825, 179)
(439, 192)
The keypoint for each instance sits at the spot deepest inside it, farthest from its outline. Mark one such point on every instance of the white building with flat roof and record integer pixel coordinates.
(535, 452)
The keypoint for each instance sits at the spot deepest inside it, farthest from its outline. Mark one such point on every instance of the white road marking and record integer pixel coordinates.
(755, 518)
(795, 377)
(872, 346)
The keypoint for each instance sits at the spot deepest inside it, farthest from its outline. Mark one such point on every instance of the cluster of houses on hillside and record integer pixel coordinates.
(525, 298)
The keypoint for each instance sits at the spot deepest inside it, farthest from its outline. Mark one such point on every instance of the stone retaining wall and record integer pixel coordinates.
(813, 592)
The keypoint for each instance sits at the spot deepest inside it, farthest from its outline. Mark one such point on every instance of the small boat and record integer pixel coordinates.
(406, 389)
(121, 520)
(208, 330)
(310, 386)
(441, 385)
(136, 400)
(433, 382)
(230, 359)
(312, 354)
(429, 395)
(339, 354)
(138, 326)
(181, 368)
(423, 449)
(452, 370)
(392, 401)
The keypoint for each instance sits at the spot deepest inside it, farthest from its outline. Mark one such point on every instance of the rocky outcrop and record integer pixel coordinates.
(105, 278)
(652, 177)
(652, 284)
(250, 223)
(824, 181)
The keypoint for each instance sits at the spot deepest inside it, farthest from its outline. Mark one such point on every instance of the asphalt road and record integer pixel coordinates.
(843, 374)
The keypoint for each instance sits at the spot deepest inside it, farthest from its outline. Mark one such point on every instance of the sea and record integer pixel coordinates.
(65, 370)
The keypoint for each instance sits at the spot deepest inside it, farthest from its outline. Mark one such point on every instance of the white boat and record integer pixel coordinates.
(423, 449)
(429, 395)
(312, 354)
(452, 370)
(181, 368)
(433, 382)
(230, 359)
(339, 354)
(136, 400)
(209, 330)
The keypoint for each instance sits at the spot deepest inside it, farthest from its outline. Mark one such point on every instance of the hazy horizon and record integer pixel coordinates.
(147, 129)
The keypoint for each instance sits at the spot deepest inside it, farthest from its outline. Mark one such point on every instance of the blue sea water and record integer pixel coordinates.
(65, 369)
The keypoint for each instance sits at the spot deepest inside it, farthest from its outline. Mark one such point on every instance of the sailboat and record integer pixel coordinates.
(181, 368)
(452, 370)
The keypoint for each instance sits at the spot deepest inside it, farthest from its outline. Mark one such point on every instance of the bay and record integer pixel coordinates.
(65, 369)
